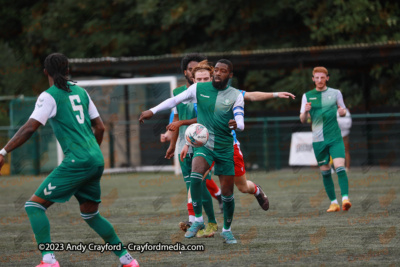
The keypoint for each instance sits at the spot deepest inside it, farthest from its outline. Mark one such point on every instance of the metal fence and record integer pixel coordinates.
(265, 143)
(374, 140)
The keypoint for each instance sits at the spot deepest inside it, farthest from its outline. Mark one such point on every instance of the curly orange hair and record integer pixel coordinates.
(203, 65)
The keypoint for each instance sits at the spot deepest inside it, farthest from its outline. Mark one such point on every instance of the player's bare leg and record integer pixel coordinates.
(343, 182)
(249, 187)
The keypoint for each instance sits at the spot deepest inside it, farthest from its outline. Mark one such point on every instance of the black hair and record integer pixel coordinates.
(191, 57)
(56, 65)
(227, 62)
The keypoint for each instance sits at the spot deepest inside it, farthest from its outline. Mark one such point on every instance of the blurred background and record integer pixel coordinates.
(273, 46)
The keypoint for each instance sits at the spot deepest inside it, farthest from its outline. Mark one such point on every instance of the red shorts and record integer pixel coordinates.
(239, 162)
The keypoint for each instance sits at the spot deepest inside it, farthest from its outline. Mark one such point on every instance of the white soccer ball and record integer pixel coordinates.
(196, 135)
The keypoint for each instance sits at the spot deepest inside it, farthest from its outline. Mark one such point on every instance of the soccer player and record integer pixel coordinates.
(72, 116)
(187, 112)
(201, 74)
(321, 104)
(219, 107)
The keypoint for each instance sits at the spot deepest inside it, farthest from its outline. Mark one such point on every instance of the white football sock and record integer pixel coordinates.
(334, 202)
(257, 190)
(218, 193)
(191, 218)
(224, 230)
(345, 198)
(49, 258)
(126, 259)
(199, 219)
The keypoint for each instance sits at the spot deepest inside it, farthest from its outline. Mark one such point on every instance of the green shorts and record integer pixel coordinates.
(224, 164)
(64, 182)
(324, 149)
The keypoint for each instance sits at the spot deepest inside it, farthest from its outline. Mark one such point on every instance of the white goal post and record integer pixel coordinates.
(172, 80)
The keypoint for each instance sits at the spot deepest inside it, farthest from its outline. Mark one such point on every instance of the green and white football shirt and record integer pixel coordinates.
(69, 114)
(323, 113)
(214, 110)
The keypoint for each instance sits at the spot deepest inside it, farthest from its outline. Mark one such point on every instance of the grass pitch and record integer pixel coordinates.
(148, 207)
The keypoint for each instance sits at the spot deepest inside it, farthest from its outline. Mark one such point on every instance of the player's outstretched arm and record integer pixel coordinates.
(262, 96)
(98, 127)
(23, 135)
(188, 95)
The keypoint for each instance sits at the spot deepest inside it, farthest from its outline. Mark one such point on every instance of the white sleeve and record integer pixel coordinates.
(303, 104)
(344, 122)
(187, 96)
(238, 112)
(339, 100)
(45, 108)
(175, 110)
(93, 113)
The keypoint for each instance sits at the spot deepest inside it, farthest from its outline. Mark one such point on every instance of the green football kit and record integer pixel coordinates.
(327, 138)
(215, 108)
(70, 115)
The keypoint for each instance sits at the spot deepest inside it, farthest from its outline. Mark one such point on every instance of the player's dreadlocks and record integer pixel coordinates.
(203, 65)
(56, 65)
(191, 57)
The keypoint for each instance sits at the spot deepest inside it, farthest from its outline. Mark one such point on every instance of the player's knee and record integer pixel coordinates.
(89, 207)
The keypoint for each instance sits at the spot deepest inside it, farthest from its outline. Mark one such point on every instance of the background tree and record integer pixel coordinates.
(30, 30)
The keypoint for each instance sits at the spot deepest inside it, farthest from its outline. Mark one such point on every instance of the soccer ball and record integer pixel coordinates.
(196, 135)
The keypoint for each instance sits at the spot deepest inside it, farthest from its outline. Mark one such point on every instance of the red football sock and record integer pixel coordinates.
(212, 187)
(190, 209)
(255, 189)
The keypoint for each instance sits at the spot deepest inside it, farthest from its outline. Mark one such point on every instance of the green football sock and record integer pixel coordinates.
(104, 229)
(187, 182)
(39, 222)
(328, 184)
(343, 181)
(207, 203)
(229, 208)
(196, 193)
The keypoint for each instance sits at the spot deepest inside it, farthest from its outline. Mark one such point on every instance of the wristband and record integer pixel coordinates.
(275, 95)
(3, 152)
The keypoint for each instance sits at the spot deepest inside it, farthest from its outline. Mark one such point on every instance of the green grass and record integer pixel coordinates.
(148, 207)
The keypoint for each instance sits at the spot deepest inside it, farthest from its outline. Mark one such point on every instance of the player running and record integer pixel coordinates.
(219, 106)
(321, 104)
(72, 116)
